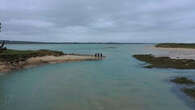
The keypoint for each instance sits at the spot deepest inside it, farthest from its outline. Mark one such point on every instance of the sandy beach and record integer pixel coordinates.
(34, 61)
(175, 53)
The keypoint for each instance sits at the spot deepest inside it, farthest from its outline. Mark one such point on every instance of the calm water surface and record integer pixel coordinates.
(118, 82)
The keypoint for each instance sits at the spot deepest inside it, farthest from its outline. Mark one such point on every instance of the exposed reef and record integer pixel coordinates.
(189, 91)
(166, 62)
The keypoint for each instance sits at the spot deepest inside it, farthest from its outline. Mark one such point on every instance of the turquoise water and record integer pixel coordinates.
(118, 82)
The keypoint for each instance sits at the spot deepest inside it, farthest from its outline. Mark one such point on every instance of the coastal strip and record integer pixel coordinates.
(16, 59)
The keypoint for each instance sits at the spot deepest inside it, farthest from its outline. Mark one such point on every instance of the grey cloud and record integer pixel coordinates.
(98, 20)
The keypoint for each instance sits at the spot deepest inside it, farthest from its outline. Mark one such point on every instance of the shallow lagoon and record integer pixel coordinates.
(118, 82)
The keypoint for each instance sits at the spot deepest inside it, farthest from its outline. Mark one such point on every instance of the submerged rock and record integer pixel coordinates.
(183, 80)
(189, 91)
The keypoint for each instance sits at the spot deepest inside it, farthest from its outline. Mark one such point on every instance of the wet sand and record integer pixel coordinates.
(175, 53)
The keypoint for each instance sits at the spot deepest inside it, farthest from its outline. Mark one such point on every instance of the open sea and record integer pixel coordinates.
(119, 82)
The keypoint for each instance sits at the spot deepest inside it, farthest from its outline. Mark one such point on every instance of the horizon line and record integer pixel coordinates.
(74, 42)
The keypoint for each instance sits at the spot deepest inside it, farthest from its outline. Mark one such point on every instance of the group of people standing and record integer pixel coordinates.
(98, 55)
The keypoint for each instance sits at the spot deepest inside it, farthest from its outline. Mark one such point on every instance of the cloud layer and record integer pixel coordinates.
(98, 20)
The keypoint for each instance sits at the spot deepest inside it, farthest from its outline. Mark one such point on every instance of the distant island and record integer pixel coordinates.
(18, 59)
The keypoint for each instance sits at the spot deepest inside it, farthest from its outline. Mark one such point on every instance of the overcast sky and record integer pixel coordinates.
(98, 20)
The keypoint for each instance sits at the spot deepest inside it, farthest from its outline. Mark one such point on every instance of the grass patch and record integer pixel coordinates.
(22, 55)
(189, 91)
(175, 45)
(183, 80)
(166, 62)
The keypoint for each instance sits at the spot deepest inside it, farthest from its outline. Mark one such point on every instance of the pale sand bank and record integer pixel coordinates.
(175, 53)
(6, 67)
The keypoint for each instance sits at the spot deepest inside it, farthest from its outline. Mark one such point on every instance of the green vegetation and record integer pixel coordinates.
(175, 45)
(22, 55)
(166, 62)
(189, 91)
(183, 80)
